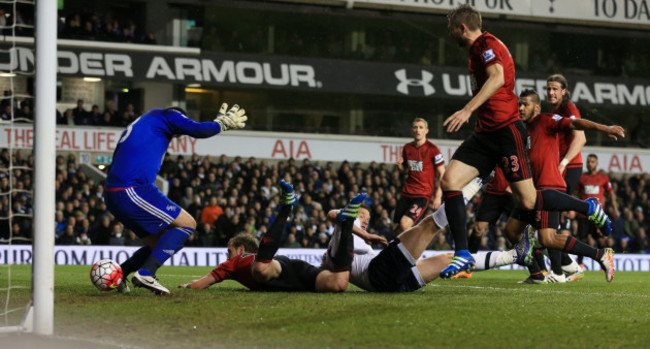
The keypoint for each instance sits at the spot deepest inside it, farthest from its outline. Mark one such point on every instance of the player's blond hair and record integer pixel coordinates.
(250, 243)
(465, 14)
(426, 124)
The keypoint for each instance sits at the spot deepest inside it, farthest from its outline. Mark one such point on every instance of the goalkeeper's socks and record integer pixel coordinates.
(136, 260)
(271, 239)
(344, 255)
(169, 243)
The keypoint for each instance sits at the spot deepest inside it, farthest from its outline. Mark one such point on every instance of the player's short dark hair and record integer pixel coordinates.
(530, 93)
(366, 207)
(250, 243)
(592, 155)
(465, 14)
(564, 83)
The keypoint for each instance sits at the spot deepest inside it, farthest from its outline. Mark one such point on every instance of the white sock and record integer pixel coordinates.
(493, 259)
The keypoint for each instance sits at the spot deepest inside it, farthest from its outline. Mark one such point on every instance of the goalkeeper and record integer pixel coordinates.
(133, 198)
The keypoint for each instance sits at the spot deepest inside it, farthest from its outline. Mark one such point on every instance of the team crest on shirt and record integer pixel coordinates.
(415, 165)
(488, 55)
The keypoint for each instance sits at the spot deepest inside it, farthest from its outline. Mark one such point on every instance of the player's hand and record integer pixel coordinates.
(457, 120)
(561, 168)
(187, 285)
(613, 131)
(437, 202)
(233, 119)
(372, 239)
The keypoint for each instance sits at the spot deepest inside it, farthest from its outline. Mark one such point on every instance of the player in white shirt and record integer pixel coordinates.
(398, 267)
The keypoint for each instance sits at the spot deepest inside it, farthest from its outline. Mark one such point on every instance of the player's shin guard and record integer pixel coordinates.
(553, 200)
(271, 239)
(574, 246)
(169, 243)
(344, 255)
(136, 260)
(457, 216)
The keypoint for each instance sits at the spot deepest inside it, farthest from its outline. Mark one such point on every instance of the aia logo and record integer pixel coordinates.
(406, 84)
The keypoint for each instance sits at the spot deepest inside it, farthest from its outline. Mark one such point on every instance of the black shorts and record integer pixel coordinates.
(393, 270)
(538, 219)
(505, 147)
(586, 228)
(493, 205)
(296, 276)
(571, 178)
(412, 207)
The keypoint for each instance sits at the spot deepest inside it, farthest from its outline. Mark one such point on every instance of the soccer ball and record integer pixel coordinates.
(106, 275)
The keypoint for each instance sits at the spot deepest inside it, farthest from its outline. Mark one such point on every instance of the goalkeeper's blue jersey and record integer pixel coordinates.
(142, 146)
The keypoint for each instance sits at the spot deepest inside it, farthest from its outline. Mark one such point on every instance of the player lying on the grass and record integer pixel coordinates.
(260, 269)
(544, 157)
(398, 267)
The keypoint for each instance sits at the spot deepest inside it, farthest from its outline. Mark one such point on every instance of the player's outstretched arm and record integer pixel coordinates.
(201, 283)
(232, 119)
(586, 125)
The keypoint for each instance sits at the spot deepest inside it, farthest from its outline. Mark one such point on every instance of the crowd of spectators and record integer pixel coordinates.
(92, 26)
(111, 116)
(230, 196)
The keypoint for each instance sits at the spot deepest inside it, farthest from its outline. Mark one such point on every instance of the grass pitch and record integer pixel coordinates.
(488, 311)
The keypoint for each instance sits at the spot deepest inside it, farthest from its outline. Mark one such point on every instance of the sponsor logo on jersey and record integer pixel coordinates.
(592, 189)
(406, 84)
(488, 55)
(415, 165)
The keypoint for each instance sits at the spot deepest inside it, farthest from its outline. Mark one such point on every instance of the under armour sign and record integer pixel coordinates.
(406, 84)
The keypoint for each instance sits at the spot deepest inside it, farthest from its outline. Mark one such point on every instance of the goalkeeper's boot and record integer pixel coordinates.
(351, 210)
(150, 283)
(288, 196)
(607, 264)
(462, 261)
(596, 214)
(524, 248)
(123, 287)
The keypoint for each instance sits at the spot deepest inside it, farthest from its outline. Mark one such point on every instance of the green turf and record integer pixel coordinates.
(488, 311)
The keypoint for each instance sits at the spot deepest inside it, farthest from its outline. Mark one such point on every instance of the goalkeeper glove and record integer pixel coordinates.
(233, 119)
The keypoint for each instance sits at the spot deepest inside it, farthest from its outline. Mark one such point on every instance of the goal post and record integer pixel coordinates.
(44, 167)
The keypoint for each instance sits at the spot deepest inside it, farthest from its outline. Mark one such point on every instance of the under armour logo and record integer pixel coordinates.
(424, 82)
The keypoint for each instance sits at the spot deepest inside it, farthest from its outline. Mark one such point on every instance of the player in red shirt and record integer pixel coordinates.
(543, 155)
(265, 271)
(422, 160)
(594, 184)
(499, 137)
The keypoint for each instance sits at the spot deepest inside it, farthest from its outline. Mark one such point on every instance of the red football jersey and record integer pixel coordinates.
(502, 108)
(499, 184)
(544, 153)
(421, 163)
(239, 269)
(594, 186)
(569, 110)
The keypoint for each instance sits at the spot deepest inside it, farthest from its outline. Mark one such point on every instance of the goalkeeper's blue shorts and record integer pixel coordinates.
(143, 209)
